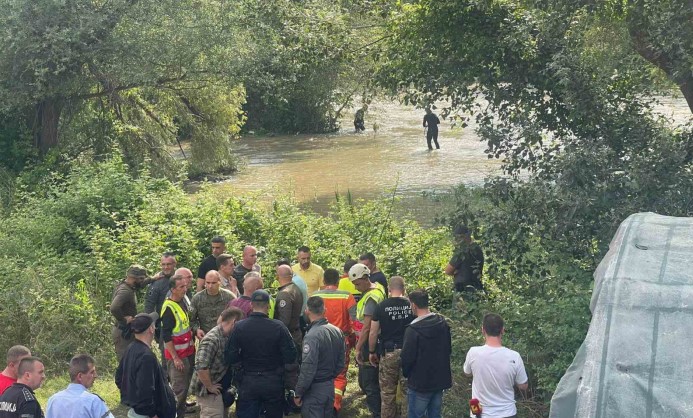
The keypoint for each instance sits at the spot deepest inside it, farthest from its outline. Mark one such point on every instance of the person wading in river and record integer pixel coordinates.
(431, 122)
(359, 119)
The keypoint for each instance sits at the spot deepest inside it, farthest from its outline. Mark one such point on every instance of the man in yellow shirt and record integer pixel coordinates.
(311, 273)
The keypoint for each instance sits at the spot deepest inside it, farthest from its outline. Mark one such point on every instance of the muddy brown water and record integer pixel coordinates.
(391, 159)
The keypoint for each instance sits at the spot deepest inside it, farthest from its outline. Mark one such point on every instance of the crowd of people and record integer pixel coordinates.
(231, 342)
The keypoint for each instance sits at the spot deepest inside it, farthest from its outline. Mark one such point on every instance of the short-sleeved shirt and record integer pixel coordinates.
(468, 261)
(19, 401)
(313, 276)
(210, 356)
(76, 402)
(240, 271)
(209, 263)
(368, 310)
(379, 277)
(5, 382)
(393, 315)
(496, 371)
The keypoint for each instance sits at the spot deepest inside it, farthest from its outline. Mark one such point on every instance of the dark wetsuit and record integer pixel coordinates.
(359, 123)
(431, 122)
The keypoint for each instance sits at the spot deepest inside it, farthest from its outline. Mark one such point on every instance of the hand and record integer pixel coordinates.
(359, 358)
(178, 364)
(373, 359)
(200, 334)
(298, 401)
(128, 319)
(215, 389)
(159, 275)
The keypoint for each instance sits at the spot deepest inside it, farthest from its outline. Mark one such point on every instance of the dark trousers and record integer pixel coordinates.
(318, 402)
(368, 382)
(259, 393)
(432, 134)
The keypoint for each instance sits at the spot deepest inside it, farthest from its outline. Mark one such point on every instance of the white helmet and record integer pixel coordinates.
(357, 271)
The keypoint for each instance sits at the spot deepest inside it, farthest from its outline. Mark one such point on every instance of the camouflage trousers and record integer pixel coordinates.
(390, 379)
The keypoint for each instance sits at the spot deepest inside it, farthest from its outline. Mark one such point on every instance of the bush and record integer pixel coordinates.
(66, 243)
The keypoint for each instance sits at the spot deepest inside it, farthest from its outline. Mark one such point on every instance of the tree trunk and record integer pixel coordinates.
(687, 90)
(46, 119)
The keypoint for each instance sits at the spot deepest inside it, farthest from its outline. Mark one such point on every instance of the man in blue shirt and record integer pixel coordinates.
(76, 401)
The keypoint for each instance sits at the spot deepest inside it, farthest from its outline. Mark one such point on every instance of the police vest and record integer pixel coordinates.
(182, 333)
(376, 294)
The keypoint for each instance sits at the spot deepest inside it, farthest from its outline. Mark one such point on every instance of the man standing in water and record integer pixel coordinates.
(431, 121)
(359, 119)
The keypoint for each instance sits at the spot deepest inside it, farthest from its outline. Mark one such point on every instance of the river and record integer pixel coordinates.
(395, 159)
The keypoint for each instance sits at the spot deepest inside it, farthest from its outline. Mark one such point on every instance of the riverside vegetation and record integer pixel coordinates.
(68, 239)
(562, 93)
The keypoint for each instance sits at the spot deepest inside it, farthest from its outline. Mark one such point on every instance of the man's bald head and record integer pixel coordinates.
(249, 256)
(212, 282)
(186, 274)
(284, 274)
(251, 282)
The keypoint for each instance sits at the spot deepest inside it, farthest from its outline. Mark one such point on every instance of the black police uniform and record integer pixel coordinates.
(19, 401)
(263, 346)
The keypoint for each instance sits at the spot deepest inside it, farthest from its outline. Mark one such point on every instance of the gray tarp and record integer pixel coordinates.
(637, 357)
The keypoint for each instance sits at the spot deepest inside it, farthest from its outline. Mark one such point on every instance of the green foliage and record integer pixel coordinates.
(561, 93)
(311, 61)
(128, 76)
(66, 243)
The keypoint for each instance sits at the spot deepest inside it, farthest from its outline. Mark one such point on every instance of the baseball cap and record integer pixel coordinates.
(260, 296)
(137, 271)
(357, 271)
(142, 321)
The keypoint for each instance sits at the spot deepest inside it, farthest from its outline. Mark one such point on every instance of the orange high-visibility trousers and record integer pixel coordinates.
(340, 382)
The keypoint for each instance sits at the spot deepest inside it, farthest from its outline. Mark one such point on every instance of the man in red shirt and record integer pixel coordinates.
(340, 311)
(14, 357)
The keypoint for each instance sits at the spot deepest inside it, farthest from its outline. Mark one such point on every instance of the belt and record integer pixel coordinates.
(262, 373)
(327, 379)
(389, 347)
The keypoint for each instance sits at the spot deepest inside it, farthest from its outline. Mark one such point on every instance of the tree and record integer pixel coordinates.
(561, 93)
(131, 64)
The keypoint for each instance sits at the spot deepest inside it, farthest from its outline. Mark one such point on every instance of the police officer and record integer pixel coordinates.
(288, 309)
(263, 346)
(76, 401)
(19, 401)
(323, 359)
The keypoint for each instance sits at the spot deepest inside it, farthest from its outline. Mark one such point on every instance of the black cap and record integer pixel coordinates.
(461, 230)
(260, 296)
(143, 321)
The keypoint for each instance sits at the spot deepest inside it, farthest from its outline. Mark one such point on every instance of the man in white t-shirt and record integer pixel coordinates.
(496, 370)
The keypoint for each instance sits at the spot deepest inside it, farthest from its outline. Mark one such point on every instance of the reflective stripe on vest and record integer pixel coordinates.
(332, 295)
(182, 333)
(377, 294)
